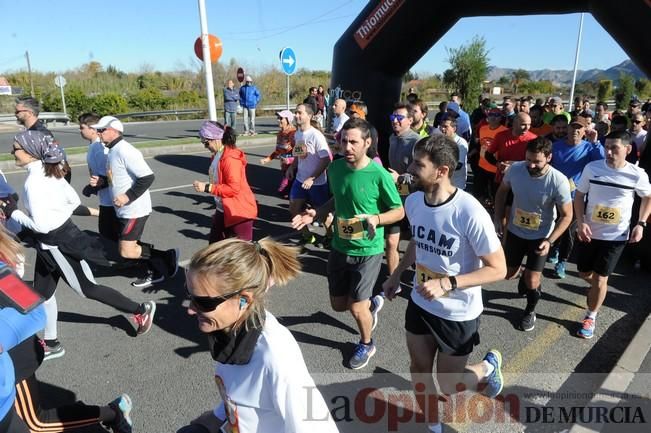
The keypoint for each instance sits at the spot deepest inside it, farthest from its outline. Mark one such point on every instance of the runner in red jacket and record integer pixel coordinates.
(236, 206)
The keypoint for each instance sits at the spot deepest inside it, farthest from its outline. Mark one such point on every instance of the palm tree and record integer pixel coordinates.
(519, 76)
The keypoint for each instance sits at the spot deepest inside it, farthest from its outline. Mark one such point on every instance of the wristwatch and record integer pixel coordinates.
(642, 223)
(453, 282)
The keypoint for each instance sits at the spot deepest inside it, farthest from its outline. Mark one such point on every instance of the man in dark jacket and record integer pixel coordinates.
(231, 101)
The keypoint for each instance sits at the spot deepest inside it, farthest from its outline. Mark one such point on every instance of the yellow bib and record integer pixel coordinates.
(606, 215)
(526, 220)
(350, 228)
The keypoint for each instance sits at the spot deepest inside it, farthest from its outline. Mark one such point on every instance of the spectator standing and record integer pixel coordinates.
(249, 100)
(231, 101)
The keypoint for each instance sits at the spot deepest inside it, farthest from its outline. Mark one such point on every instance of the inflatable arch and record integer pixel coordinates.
(390, 36)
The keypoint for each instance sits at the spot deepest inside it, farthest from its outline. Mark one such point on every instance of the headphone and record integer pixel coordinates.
(242, 302)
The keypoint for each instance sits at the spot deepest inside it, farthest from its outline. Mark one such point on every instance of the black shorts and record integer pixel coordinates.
(401, 227)
(598, 256)
(453, 338)
(352, 276)
(515, 248)
(132, 229)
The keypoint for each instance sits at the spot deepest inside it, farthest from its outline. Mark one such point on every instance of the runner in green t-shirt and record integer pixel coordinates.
(365, 199)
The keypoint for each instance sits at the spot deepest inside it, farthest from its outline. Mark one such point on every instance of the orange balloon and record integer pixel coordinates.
(215, 46)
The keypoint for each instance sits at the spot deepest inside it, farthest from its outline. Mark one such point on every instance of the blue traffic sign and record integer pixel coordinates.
(288, 60)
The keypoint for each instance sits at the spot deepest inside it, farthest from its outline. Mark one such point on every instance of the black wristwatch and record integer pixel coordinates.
(642, 223)
(453, 282)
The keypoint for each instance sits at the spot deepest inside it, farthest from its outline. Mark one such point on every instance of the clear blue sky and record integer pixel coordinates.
(128, 34)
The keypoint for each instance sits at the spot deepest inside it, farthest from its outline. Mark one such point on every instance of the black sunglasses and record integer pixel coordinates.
(100, 130)
(206, 304)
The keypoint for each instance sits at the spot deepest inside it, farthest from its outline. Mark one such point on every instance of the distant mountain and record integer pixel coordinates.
(565, 77)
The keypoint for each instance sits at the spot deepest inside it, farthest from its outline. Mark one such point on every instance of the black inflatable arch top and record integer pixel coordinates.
(389, 36)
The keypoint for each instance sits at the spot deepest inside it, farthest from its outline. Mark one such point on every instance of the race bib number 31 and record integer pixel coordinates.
(350, 228)
(526, 220)
(606, 215)
(300, 149)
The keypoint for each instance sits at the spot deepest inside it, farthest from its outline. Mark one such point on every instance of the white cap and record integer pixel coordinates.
(109, 122)
(248, 79)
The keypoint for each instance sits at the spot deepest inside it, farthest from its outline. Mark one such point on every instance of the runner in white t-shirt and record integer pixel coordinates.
(261, 377)
(128, 178)
(455, 249)
(311, 159)
(602, 205)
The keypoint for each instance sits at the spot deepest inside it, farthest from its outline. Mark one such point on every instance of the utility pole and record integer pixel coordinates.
(210, 89)
(29, 70)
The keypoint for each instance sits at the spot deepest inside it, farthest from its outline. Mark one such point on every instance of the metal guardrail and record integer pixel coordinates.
(44, 116)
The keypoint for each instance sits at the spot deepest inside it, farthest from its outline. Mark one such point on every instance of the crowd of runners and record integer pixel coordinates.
(547, 184)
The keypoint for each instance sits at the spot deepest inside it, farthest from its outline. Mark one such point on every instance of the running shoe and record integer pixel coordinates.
(495, 381)
(361, 356)
(559, 270)
(283, 184)
(528, 321)
(146, 319)
(552, 258)
(308, 239)
(377, 302)
(122, 407)
(435, 428)
(587, 328)
(149, 279)
(53, 352)
(172, 261)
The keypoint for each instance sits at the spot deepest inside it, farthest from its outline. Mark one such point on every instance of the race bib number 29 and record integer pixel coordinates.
(350, 228)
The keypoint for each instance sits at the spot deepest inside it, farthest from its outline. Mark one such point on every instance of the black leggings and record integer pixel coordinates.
(12, 423)
(53, 264)
(58, 419)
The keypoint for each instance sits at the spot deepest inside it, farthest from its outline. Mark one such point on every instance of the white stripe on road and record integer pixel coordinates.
(169, 188)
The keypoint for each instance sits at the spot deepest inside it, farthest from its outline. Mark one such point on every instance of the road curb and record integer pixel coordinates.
(621, 376)
(80, 158)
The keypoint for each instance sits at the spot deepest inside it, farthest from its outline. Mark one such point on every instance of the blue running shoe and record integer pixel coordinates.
(559, 270)
(553, 256)
(587, 328)
(495, 381)
(122, 407)
(361, 356)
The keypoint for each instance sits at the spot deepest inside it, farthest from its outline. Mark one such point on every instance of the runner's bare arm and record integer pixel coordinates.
(494, 269)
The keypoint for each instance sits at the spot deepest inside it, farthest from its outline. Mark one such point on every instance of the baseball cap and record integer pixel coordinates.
(287, 114)
(248, 79)
(109, 122)
(495, 112)
(634, 101)
(555, 100)
(580, 121)
(453, 106)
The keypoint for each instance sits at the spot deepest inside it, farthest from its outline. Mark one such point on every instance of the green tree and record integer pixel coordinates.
(624, 91)
(469, 68)
(76, 101)
(605, 90)
(643, 87)
(148, 99)
(109, 103)
(518, 77)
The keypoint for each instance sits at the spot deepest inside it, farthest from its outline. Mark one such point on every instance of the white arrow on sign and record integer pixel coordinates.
(289, 61)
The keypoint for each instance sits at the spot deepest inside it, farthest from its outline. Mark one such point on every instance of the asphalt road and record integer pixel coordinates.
(69, 136)
(168, 372)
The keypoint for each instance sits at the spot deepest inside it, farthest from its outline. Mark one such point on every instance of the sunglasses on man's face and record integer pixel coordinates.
(205, 143)
(398, 117)
(206, 304)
